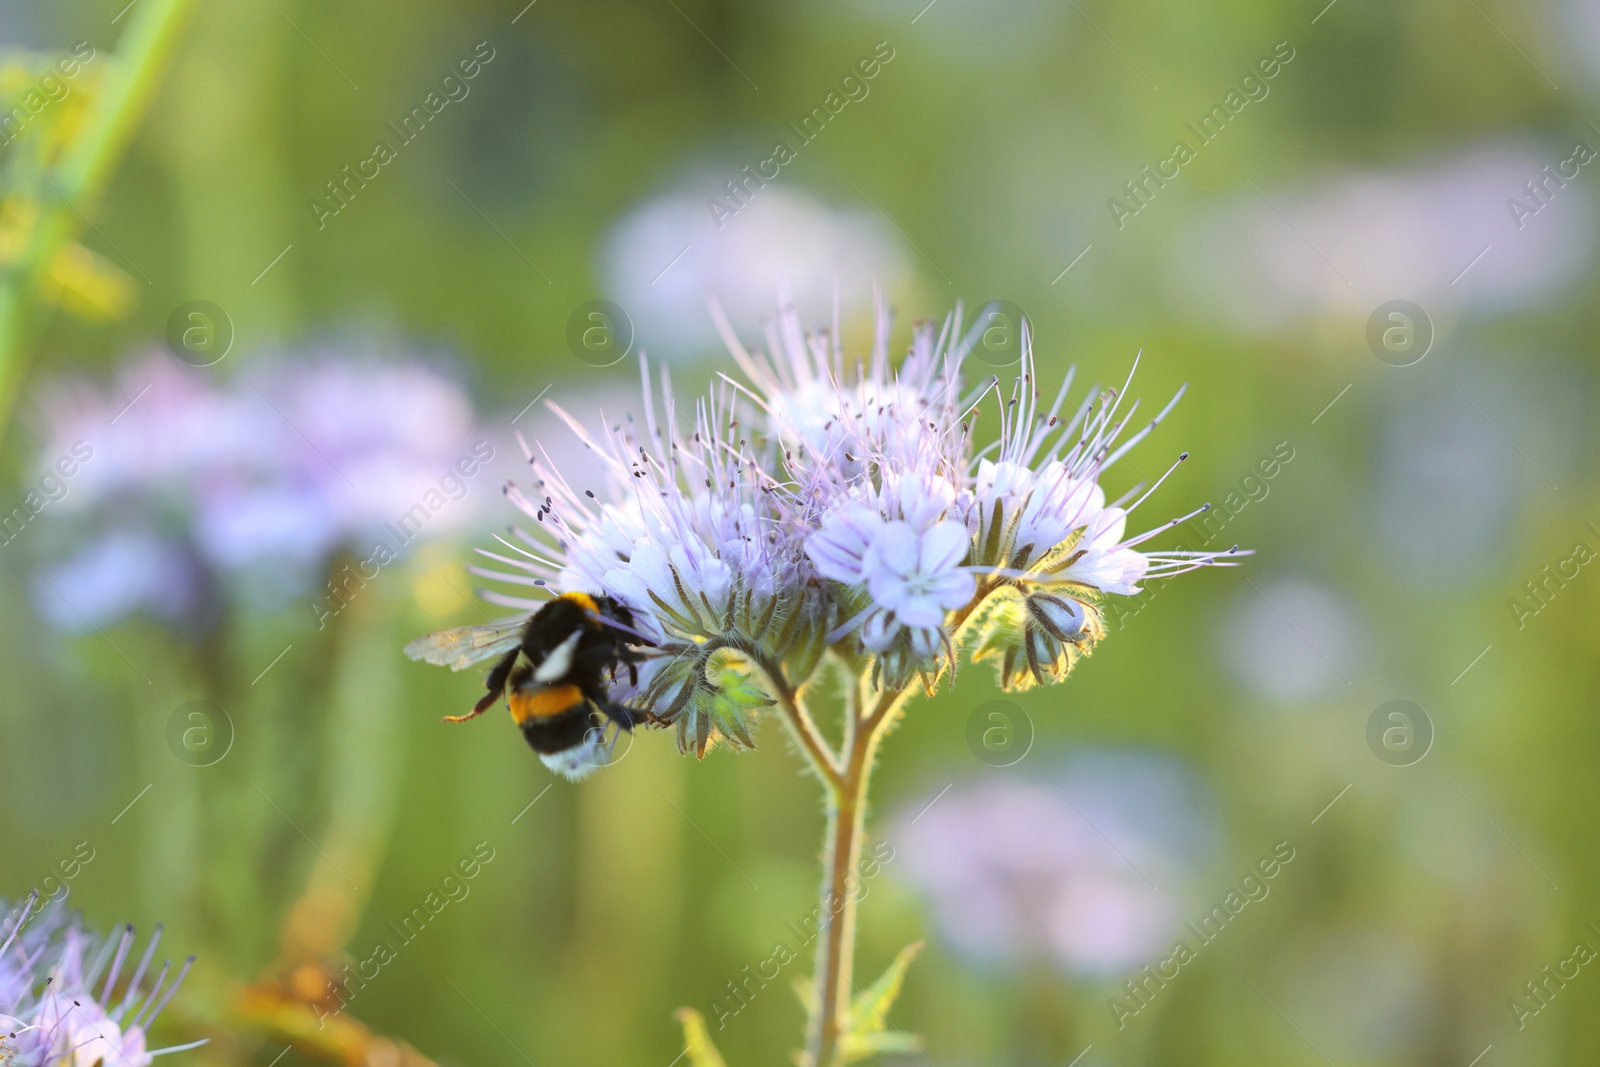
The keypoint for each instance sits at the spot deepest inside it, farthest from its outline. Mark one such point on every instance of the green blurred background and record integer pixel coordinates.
(1379, 163)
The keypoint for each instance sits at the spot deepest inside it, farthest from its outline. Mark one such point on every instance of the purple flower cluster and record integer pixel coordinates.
(262, 477)
(825, 506)
(1086, 868)
(50, 1012)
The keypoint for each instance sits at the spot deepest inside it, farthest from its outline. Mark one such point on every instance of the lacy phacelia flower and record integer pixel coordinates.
(914, 576)
(51, 1014)
(820, 507)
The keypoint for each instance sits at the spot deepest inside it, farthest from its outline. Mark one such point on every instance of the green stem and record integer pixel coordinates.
(822, 759)
(846, 832)
(847, 780)
(120, 101)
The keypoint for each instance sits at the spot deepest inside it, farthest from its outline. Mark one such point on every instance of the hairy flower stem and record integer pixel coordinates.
(846, 778)
(846, 825)
(824, 762)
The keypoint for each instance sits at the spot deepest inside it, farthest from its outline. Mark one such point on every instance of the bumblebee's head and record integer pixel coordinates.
(613, 608)
(601, 608)
(625, 630)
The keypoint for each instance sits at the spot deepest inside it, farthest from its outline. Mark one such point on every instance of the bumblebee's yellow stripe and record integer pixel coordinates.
(583, 600)
(543, 703)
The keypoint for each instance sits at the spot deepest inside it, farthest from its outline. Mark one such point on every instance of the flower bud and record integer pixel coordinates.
(1063, 617)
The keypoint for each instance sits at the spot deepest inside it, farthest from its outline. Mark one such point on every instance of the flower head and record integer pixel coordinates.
(50, 1012)
(818, 507)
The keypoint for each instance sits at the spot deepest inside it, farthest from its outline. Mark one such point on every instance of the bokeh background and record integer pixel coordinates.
(203, 687)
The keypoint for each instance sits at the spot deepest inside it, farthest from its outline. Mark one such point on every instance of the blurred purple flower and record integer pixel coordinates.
(271, 472)
(1016, 868)
(121, 573)
(1313, 656)
(1356, 240)
(664, 259)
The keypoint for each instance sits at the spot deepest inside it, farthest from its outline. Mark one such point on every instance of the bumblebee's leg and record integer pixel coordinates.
(495, 684)
(620, 714)
(484, 703)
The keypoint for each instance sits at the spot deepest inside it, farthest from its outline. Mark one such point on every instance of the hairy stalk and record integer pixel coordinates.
(846, 826)
(847, 781)
(821, 757)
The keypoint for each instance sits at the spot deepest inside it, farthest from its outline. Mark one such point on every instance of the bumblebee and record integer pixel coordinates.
(554, 669)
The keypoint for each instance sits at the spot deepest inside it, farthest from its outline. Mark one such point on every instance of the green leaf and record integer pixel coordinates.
(869, 1013)
(868, 1033)
(854, 1047)
(701, 1052)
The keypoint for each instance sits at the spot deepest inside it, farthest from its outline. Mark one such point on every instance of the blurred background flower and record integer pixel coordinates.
(1293, 640)
(665, 258)
(1087, 867)
(1340, 245)
(256, 482)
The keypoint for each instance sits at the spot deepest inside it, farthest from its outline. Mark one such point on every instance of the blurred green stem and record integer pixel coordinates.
(133, 74)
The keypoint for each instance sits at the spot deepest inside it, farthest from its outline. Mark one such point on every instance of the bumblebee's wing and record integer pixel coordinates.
(460, 647)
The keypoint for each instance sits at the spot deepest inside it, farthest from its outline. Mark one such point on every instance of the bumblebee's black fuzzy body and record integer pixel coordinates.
(554, 668)
(555, 682)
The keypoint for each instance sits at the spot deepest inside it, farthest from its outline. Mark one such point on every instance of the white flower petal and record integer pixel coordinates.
(943, 546)
(879, 631)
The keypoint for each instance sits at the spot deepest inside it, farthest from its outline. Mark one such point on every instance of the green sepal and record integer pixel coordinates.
(734, 699)
(804, 659)
(707, 697)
